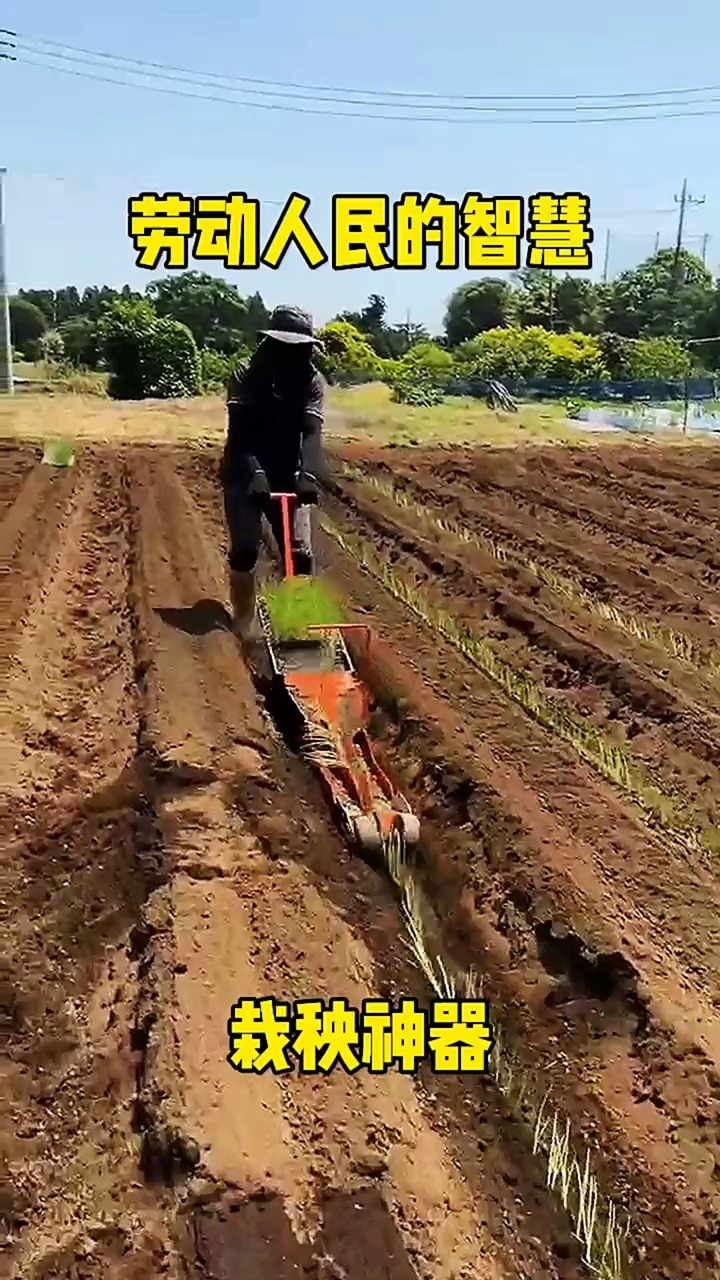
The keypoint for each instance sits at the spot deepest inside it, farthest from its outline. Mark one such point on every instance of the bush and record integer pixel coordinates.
(171, 362)
(347, 352)
(215, 370)
(148, 356)
(663, 358)
(575, 356)
(504, 353)
(416, 385)
(80, 342)
(617, 355)
(27, 326)
(421, 376)
(52, 347)
(530, 353)
(431, 359)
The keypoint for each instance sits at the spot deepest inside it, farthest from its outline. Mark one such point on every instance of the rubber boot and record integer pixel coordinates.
(242, 594)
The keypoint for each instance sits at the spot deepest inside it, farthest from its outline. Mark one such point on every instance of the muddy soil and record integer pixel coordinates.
(638, 528)
(164, 855)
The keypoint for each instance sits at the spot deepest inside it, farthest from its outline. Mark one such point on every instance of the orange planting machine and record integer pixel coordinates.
(325, 708)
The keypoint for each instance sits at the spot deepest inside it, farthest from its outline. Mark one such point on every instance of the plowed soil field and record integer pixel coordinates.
(546, 675)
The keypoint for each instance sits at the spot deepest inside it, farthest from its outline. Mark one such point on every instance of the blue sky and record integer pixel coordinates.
(76, 149)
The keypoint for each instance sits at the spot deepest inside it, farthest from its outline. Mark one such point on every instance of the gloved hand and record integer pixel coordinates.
(306, 488)
(258, 487)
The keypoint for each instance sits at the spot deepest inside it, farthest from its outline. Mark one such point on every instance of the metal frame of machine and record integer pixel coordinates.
(329, 707)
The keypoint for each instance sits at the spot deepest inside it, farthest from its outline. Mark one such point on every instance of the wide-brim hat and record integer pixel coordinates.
(291, 325)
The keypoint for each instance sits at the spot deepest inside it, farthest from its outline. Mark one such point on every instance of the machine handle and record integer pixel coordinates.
(285, 499)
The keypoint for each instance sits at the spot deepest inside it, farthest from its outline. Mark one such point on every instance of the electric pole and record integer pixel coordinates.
(684, 201)
(706, 237)
(607, 256)
(6, 370)
(7, 386)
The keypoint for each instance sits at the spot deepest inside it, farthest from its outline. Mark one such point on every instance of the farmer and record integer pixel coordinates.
(275, 419)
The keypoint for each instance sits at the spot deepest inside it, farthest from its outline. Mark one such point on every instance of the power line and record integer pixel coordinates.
(200, 80)
(360, 115)
(29, 43)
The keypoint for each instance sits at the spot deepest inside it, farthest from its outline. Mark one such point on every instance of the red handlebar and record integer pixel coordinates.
(285, 500)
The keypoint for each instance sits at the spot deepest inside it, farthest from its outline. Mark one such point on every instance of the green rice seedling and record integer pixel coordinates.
(297, 604)
(572, 1182)
(674, 644)
(609, 759)
(59, 453)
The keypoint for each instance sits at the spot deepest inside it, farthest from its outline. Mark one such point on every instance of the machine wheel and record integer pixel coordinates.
(367, 834)
(410, 826)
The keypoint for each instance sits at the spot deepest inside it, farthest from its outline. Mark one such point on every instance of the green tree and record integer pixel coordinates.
(67, 304)
(148, 355)
(708, 355)
(257, 317)
(214, 311)
(657, 298)
(97, 299)
(579, 305)
(547, 300)
(27, 326)
(476, 306)
(81, 342)
(43, 299)
(616, 355)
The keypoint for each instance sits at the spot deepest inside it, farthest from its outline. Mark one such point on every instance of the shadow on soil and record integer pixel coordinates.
(200, 619)
(255, 1239)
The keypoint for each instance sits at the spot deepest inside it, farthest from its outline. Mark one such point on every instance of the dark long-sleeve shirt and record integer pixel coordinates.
(278, 427)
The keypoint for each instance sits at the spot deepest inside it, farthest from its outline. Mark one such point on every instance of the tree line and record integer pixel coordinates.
(644, 324)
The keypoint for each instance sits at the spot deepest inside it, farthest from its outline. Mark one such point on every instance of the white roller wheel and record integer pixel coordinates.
(367, 834)
(410, 828)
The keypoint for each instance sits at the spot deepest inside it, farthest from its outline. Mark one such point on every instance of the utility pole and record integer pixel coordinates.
(684, 201)
(607, 256)
(6, 370)
(7, 385)
(657, 241)
(706, 237)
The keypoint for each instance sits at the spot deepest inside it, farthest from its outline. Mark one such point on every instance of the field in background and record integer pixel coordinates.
(547, 688)
(361, 412)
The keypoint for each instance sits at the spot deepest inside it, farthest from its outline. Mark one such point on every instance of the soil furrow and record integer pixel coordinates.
(518, 906)
(165, 854)
(675, 737)
(612, 578)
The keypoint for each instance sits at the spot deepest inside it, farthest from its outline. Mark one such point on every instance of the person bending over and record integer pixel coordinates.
(275, 420)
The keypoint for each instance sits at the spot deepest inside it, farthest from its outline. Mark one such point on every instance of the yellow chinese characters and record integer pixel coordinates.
(265, 1034)
(160, 225)
(361, 232)
(492, 230)
(420, 223)
(227, 228)
(560, 232)
(368, 231)
(290, 228)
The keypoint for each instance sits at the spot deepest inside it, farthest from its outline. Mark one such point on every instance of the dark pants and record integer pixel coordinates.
(244, 515)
